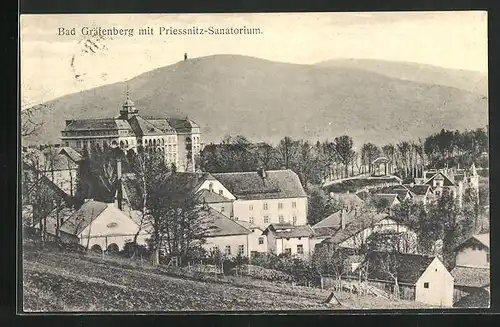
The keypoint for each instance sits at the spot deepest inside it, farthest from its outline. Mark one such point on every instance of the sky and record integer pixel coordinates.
(53, 65)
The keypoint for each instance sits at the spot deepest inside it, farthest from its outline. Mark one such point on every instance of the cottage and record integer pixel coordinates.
(226, 235)
(472, 271)
(102, 226)
(421, 192)
(289, 239)
(257, 242)
(420, 278)
(332, 224)
(356, 227)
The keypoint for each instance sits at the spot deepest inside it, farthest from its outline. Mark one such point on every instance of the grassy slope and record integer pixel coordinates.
(265, 100)
(64, 282)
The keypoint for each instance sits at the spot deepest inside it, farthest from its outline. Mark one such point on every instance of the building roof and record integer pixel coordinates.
(206, 196)
(418, 189)
(91, 124)
(83, 217)
(142, 127)
(250, 186)
(71, 153)
(331, 224)
(217, 224)
(287, 230)
(390, 198)
(182, 125)
(381, 160)
(409, 266)
(448, 180)
(479, 299)
(481, 239)
(162, 124)
(347, 199)
(471, 276)
(359, 223)
(248, 225)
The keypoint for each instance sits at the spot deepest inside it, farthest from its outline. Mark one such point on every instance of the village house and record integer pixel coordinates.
(178, 139)
(266, 197)
(216, 201)
(352, 229)
(102, 226)
(257, 242)
(472, 271)
(289, 239)
(455, 180)
(420, 278)
(226, 235)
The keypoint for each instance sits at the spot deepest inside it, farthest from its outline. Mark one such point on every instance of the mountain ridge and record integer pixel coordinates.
(267, 100)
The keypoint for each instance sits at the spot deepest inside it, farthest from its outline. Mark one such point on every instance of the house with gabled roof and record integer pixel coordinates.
(225, 234)
(102, 226)
(289, 239)
(266, 197)
(472, 270)
(420, 278)
(421, 192)
(356, 227)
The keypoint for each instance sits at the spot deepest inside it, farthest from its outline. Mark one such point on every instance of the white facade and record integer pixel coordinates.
(435, 285)
(271, 211)
(231, 243)
(216, 186)
(111, 226)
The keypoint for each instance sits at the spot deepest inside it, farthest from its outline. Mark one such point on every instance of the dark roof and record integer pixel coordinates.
(182, 125)
(409, 266)
(71, 153)
(399, 190)
(471, 276)
(362, 221)
(448, 181)
(250, 186)
(91, 124)
(418, 189)
(131, 190)
(162, 124)
(390, 198)
(142, 127)
(248, 225)
(348, 199)
(332, 223)
(206, 196)
(483, 240)
(186, 183)
(287, 230)
(81, 218)
(218, 224)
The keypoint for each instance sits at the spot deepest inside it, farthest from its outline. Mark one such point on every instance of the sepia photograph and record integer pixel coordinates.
(254, 162)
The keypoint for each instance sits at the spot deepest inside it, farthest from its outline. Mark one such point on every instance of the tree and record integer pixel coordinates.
(330, 260)
(369, 152)
(29, 124)
(345, 152)
(320, 205)
(287, 152)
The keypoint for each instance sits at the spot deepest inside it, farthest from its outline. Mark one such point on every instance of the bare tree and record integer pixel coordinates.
(345, 151)
(287, 152)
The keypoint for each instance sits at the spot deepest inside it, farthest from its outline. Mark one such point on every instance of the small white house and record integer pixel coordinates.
(290, 239)
(102, 226)
(420, 278)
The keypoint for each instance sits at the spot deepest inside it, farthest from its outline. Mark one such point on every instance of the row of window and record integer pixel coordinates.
(265, 206)
(267, 220)
(227, 251)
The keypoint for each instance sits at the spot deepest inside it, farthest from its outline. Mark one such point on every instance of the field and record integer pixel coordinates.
(66, 282)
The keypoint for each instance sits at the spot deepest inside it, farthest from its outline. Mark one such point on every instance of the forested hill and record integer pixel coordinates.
(265, 100)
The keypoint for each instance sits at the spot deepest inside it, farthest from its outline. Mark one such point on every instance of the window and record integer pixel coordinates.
(241, 250)
(78, 144)
(300, 249)
(280, 205)
(281, 219)
(250, 220)
(266, 219)
(294, 219)
(250, 207)
(222, 209)
(228, 250)
(294, 204)
(487, 257)
(264, 206)
(215, 248)
(288, 251)
(211, 187)
(261, 240)
(426, 285)
(221, 192)
(66, 143)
